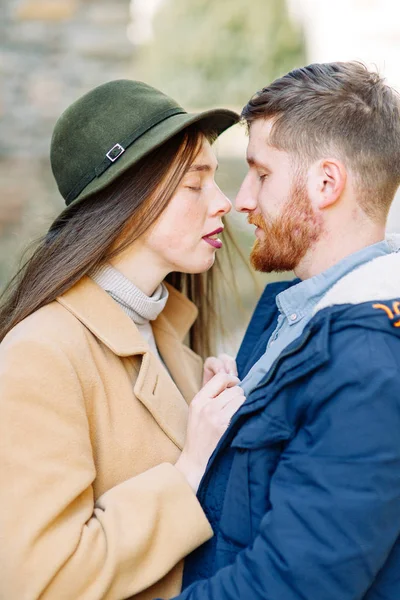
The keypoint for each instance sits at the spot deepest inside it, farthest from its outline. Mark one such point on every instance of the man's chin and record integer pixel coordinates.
(258, 260)
(266, 263)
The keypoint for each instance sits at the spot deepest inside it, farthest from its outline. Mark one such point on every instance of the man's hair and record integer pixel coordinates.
(340, 109)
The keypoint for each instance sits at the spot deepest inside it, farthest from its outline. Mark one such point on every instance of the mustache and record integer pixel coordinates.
(256, 220)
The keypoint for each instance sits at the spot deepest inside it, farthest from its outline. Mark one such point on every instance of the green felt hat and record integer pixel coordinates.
(112, 127)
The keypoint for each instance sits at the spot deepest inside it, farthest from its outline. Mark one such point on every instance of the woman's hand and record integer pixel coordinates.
(223, 363)
(210, 413)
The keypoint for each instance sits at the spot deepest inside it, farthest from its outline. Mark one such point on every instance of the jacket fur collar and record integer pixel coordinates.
(378, 279)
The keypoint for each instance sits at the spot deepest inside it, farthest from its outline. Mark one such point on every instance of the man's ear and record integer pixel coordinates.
(327, 180)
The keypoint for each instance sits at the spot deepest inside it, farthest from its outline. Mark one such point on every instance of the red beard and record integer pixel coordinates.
(288, 238)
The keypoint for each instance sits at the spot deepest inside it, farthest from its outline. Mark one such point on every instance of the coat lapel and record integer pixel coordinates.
(176, 358)
(165, 400)
(159, 394)
(170, 330)
(89, 303)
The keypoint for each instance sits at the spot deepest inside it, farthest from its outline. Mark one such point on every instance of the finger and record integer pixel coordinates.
(214, 365)
(229, 364)
(219, 383)
(232, 407)
(207, 375)
(228, 396)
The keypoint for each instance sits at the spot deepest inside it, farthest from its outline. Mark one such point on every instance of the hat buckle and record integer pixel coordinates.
(115, 152)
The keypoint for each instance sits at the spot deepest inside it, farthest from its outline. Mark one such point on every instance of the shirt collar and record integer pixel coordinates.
(300, 299)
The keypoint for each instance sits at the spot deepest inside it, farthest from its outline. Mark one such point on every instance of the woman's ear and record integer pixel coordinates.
(327, 181)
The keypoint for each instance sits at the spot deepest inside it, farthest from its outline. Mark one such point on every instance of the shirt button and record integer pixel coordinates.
(293, 317)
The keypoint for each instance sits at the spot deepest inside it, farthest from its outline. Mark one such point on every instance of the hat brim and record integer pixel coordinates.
(216, 120)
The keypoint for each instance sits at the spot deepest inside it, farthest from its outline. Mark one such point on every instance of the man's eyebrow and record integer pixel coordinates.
(252, 162)
(200, 168)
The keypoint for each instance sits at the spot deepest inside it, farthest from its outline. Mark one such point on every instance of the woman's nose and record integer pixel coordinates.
(222, 203)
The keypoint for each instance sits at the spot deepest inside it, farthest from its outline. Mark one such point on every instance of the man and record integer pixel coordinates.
(303, 490)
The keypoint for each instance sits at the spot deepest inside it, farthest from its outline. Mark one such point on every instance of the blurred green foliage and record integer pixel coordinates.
(208, 52)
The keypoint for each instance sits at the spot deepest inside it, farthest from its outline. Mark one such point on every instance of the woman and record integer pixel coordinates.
(97, 501)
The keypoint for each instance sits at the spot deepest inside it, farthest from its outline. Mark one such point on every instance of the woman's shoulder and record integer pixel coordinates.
(50, 325)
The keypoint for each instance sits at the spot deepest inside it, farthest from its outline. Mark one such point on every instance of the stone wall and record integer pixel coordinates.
(52, 51)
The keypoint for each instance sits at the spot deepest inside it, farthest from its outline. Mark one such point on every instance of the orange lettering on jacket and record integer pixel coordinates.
(392, 313)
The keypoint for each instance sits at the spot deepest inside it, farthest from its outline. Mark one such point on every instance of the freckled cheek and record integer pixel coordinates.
(183, 230)
(190, 224)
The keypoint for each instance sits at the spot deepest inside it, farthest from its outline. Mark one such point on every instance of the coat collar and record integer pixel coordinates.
(180, 312)
(104, 318)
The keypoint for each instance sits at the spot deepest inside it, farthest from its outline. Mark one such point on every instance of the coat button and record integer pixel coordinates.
(293, 317)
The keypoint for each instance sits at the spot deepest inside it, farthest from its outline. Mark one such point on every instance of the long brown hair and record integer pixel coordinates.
(103, 225)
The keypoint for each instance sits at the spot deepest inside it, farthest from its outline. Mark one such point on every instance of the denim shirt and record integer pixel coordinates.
(296, 306)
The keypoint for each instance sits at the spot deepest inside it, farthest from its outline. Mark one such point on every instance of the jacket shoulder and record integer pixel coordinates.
(51, 325)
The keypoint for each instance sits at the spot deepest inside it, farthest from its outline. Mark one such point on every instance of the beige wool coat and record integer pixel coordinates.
(91, 424)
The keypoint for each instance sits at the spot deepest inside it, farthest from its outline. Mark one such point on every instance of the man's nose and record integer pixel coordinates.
(246, 198)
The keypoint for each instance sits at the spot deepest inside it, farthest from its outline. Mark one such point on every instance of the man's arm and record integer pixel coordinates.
(335, 494)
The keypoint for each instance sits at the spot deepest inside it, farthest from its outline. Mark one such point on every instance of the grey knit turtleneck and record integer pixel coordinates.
(140, 308)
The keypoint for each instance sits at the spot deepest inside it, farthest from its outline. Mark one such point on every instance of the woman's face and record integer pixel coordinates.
(185, 236)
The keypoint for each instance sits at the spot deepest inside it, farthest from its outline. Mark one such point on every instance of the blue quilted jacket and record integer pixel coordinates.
(303, 490)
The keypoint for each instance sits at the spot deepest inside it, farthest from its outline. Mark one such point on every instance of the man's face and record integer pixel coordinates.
(274, 194)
